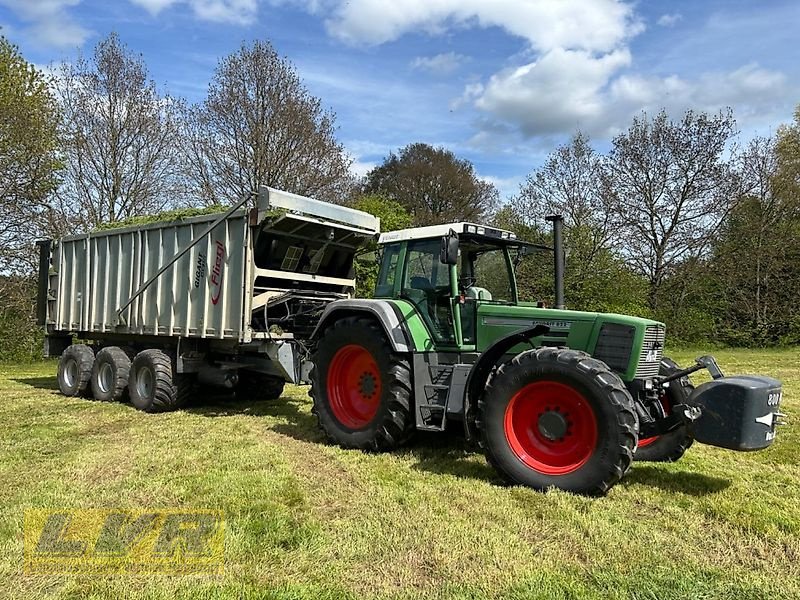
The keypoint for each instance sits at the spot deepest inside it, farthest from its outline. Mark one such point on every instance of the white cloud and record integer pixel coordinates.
(669, 20)
(558, 92)
(440, 64)
(237, 12)
(507, 186)
(360, 168)
(49, 22)
(595, 25)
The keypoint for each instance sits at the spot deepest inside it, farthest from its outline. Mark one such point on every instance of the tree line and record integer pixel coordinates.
(674, 221)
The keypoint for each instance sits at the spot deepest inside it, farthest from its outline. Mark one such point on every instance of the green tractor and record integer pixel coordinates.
(556, 398)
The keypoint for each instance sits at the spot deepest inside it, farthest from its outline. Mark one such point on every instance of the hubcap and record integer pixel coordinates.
(71, 372)
(144, 382)
(105, 378)
(354, 386)
(551, 427)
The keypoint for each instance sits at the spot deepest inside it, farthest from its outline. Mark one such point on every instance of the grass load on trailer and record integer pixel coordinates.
(251, 299)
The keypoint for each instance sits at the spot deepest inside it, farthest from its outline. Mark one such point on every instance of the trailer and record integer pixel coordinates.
(228, 299)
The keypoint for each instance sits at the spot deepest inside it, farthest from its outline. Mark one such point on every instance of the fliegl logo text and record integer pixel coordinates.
(120, 541)
(216, 272)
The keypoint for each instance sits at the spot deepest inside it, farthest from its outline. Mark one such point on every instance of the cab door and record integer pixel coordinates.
(426, 283)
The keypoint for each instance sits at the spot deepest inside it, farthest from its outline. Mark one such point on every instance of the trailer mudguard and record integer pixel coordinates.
(479, 374)
(381, 310)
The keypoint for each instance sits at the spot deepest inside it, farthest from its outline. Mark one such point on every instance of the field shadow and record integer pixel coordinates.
(40, 383)
(685, 482)
(297, 422)
(448, 453)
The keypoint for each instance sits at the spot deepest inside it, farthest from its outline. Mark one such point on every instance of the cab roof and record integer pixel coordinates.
(437, 231)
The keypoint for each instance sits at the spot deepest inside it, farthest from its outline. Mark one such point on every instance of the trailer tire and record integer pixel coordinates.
(669, 447)
(154, 386)
(253, 385)
(555, 417)
(75, 371)
(361, 389)
(110, 372)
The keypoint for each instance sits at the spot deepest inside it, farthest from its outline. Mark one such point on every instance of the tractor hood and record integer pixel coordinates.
(631, 346)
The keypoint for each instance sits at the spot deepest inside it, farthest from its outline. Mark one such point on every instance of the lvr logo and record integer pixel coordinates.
(216, 273)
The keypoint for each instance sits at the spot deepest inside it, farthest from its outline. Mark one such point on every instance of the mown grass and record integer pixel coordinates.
(308, 520)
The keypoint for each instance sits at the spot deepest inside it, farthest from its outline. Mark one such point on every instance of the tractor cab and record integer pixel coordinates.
(447, 271)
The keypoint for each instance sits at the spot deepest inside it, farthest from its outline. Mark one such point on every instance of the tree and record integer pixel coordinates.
(757, 256)
(260, 126)
(671, 188)
(570, 183)
(433, 185)
(121, 137)
(608, 286)
(393, 217)
(29, 163)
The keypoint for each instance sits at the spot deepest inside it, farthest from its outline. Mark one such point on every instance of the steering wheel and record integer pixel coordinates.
(467, 281)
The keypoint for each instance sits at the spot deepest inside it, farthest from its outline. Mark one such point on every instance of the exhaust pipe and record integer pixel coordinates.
(558, 256)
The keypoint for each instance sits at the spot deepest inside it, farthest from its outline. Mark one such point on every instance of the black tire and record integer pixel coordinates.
(555, 417)
(110, 372)
(376, 414)
(671, 446)
(154, 386)
(75, 371)
(253, 385)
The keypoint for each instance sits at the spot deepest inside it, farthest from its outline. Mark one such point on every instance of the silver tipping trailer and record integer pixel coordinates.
(223, 299)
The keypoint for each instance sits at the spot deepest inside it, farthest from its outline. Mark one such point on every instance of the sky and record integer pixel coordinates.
(499, 82)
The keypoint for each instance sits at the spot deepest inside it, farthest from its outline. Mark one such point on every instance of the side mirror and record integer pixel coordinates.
(448, 253)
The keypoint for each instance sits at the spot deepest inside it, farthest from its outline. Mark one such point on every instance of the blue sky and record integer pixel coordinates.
(500, 82)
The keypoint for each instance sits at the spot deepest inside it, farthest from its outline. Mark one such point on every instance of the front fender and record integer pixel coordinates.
(479, 375)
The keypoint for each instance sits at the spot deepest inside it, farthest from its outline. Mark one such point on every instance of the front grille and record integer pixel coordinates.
(614, 346)
(652, 350)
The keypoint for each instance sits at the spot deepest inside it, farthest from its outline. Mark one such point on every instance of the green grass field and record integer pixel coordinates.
(308, 520)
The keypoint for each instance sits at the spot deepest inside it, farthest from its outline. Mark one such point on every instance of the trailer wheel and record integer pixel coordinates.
(671, 446)
(361, 389)
(253, 385)
(75, 370)
(154, 386)
(555, 417)
(110, 374)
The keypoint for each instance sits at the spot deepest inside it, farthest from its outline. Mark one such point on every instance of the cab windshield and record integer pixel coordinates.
(484, 272)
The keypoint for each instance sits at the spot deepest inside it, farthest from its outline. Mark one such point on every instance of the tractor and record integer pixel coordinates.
(556, 398)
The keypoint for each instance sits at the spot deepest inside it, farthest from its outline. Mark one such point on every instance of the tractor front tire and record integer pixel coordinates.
(154, 386)
(555, 417)
(75, 370)
(671, 446)
(361, 389)
(253, 385)
(110, 373)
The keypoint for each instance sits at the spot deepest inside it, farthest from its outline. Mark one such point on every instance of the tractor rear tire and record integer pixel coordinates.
(555, 417)
(110, 373)
(671, 446)
(75, 371)
(361, 389)
(154, 386)
(253, 385)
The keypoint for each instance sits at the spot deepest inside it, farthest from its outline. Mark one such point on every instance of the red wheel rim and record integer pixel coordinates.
(539, 448)
(354, 386)
(647, 441)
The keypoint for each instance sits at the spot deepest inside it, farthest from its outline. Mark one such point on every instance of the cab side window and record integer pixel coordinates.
(385, 284)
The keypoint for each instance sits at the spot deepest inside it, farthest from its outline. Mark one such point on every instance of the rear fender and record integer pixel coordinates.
(380, 310)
